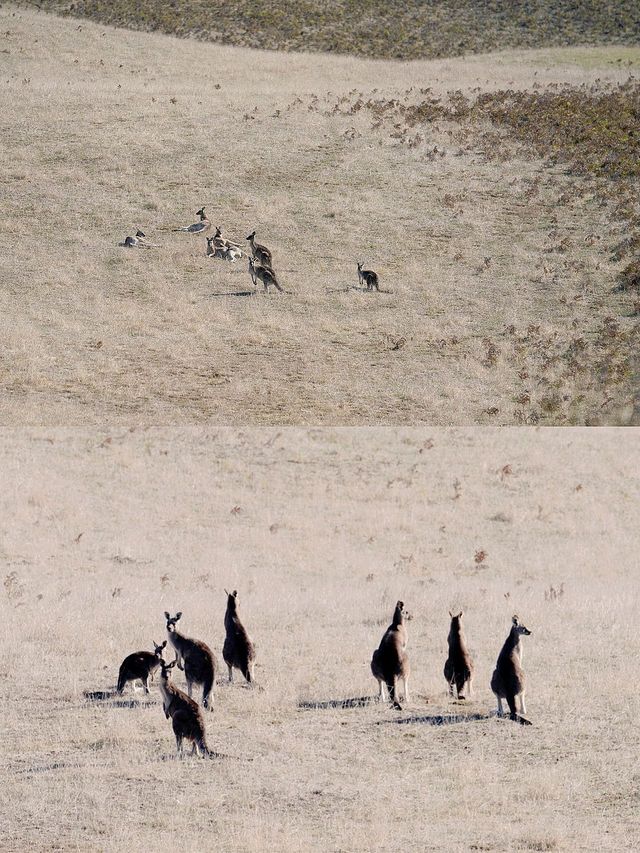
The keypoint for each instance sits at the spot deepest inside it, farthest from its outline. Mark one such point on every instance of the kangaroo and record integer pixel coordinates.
(219, 247)
(389, 661)
(140, 665)
(186, 717)
(238, 650)
(137, 242)
(200, 227)
(195, 657)
(260, 253)
(265, 274)
(508, 681)
(458, 668)
(368, 277)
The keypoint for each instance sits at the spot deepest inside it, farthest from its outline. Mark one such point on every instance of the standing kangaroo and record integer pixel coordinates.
(390, 661)
(265, 274)
(195, 657)
(508, 681)
(238, 650)
(458, 668)
(186, 717)
(140, 665)
(260, 253)
(368, 278)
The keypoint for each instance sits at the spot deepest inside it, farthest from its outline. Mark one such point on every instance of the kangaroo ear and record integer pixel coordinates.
(167, 615)
(178, 614)
(515, 620)
(163, 645)
(235, 593)
(451, 614)
(460, 614)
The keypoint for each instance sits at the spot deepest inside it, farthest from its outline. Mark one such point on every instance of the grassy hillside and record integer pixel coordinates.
(321, 531)
(402, 29)
(496, 196)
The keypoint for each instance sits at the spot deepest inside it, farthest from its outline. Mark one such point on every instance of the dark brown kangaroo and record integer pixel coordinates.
(508, 681)
(195, 657)
(458, 668)
(140, 665)
(186, 717)
(390, 661)
(238, 650)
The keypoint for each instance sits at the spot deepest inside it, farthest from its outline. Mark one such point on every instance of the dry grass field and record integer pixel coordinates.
(500, 303)
(321, 531)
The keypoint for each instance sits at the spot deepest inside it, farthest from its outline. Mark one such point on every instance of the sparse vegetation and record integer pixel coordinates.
(94, 770)
(394, 29)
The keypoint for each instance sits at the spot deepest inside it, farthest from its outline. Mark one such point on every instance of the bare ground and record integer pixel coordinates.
(321, 531)
(491, 270)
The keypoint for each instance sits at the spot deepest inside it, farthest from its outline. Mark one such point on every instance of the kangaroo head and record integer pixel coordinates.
(171, 620)
(232, 599)
(210, 240)
(456, 620)
(201, 213)
(166, 669)
(218, 231)
(360, 265)
(158, 648)
(140, 233)
(519, 629)
(251, 236)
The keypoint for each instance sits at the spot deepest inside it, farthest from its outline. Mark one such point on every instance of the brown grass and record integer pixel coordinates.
(106, 131)
(321, 531)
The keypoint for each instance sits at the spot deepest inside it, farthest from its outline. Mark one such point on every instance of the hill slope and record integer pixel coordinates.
(498, 251)
(405, 29)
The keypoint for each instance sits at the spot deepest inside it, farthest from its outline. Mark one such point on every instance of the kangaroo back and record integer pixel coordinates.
(458, 668)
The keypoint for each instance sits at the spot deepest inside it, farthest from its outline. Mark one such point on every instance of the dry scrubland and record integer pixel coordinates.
(321, 531)
(508, 256)
(402, 29)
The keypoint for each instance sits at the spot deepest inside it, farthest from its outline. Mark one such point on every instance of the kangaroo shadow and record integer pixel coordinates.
(440, 719)
(328, 704)
(113, 699)
(232, 293)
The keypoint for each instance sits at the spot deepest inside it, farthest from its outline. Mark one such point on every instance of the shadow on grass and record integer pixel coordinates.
(232, 293)
(328, 704)
(440, 719)
(114, 699)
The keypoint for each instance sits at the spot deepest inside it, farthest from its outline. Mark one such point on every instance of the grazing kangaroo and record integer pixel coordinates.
(260, 253)
(508, 681)
(369, 278)
(389, 661)
(140, 665)
(200, 227)
(186, 717)
(195, 657)
(238, 650)
(265, 274)
(458, 668)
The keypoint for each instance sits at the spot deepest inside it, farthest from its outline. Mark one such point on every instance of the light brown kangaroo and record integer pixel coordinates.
(140, 666)
(508, 681)
(238, 650)
(260, 253)
(195, 657)
(186, 717)
(458, 668)
(390, 661)
(265, 274)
